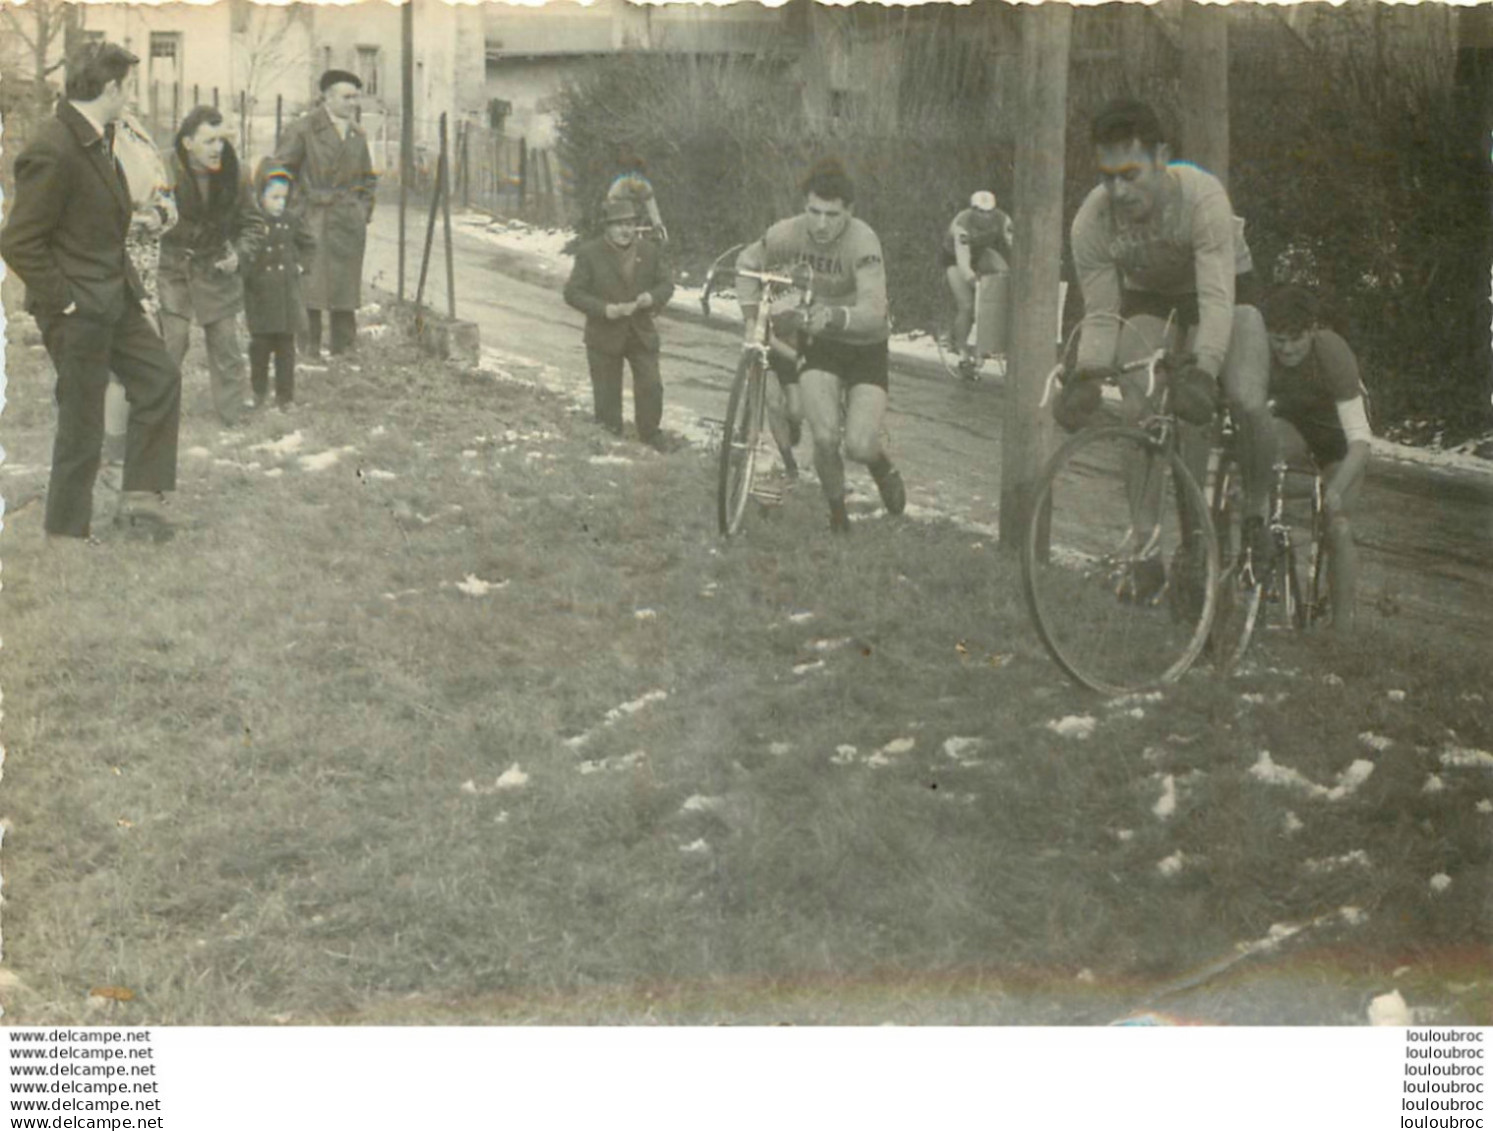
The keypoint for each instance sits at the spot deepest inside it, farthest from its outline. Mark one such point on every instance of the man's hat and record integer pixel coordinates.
(983, 201)
(332, 78)
(614, 210)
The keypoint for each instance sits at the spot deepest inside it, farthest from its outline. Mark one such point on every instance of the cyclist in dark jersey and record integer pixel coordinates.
(1321, 421)
(845, 333)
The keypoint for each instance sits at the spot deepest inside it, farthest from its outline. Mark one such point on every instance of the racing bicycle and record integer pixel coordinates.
(747, 409)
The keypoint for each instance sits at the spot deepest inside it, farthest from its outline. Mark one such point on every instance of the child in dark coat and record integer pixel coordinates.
(272, 288)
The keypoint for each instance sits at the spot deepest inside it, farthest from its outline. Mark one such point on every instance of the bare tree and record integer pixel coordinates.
(43, 27)
(270, 42)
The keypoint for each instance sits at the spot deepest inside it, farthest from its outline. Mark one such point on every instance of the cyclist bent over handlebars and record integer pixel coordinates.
(1155, 239)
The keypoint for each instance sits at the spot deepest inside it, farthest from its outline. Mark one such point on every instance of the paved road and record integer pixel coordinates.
(1427, 534)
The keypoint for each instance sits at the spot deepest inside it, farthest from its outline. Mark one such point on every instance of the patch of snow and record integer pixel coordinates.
(1485, 806)
(323, 460)
(699, 803)
(474, 586)
(284, 446)
(512, 778)
(1440, 882)
(1073, 726)
(609, 460)
(898, 746)
(1434, 784)
(1395, 695)
(274, 473)
(1463, 757)
(695, 846)
(1375, 741)
(1166, 804)
(844, 755)
(1293, 823)
(1334, 863)
(1124, 835)
(645, 614)
(959, 747)
(1172, 865)
(829, 645)
(778, 749)
(1389, 1009)
(807, 666)
(1348, 781)
(199, 452)
(1353, 916)
(800, 618)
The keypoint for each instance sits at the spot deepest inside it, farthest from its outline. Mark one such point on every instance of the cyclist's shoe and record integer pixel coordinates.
(893, 492)
(790, 462)
(1142, 582)
(969, 368)
(839, 518)
(1259, 545)
(1195, 396)
(1080, 397)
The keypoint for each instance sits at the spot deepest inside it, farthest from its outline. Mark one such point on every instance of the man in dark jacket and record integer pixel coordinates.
(219, 229)
(327, 153)
(617, 282)
(66, 240)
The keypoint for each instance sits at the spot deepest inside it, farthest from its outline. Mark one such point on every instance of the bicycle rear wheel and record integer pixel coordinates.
(740, 443)
(1241, 584)
(1120, 613)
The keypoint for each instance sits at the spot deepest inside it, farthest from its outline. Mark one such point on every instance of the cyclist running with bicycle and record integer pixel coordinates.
(1321, 420)
(1155, 240)
(844, 334)
(977, 244)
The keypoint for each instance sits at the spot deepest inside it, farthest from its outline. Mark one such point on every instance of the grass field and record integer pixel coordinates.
(453, 709)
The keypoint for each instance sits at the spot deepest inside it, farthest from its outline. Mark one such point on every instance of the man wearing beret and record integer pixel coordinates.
(327, 153)
(618, 282)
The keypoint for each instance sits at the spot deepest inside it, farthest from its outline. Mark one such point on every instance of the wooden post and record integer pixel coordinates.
(444, 179)
(406, 122)
(1038, 254)
(435, 207)
(466, 164)
(1205, 78)
(243, 123)
(196, 101)
(523, 173)
(175, 104)
(215, 98)
(279, 114)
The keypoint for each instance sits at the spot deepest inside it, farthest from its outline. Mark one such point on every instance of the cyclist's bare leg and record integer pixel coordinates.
(1139, 339)
(964, 304)
(820, 394)
(865, 408)
(1245, 381)
(784, 410)
(1342, 553)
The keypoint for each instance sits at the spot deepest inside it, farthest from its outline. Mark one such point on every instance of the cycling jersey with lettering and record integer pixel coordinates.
(848, 272)
(1191, 243)
(981, 231)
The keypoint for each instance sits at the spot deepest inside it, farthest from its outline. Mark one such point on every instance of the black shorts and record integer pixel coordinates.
(1327, 442)
(1246, 293)
(853, 364)
(978, 258)
(786, 368)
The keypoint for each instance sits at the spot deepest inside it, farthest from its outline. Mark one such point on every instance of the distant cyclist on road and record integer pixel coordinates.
(1320, 418)
(844, 333)
(1156, 239)
(977, 243)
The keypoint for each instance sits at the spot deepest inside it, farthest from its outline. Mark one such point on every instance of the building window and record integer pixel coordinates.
(165, 57)
(368, 70)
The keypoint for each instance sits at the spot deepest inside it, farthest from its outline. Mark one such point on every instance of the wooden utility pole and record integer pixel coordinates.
(1038, 255)
(406, 122)
(1205, 87)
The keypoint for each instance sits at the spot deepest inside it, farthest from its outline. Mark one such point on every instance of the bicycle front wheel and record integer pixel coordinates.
(1123, 604)
(740, 442)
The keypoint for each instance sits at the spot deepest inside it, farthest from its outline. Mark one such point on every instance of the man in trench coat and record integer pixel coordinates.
(327, 153)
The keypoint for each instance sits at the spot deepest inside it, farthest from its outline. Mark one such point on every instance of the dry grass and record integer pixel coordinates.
(236, 762)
